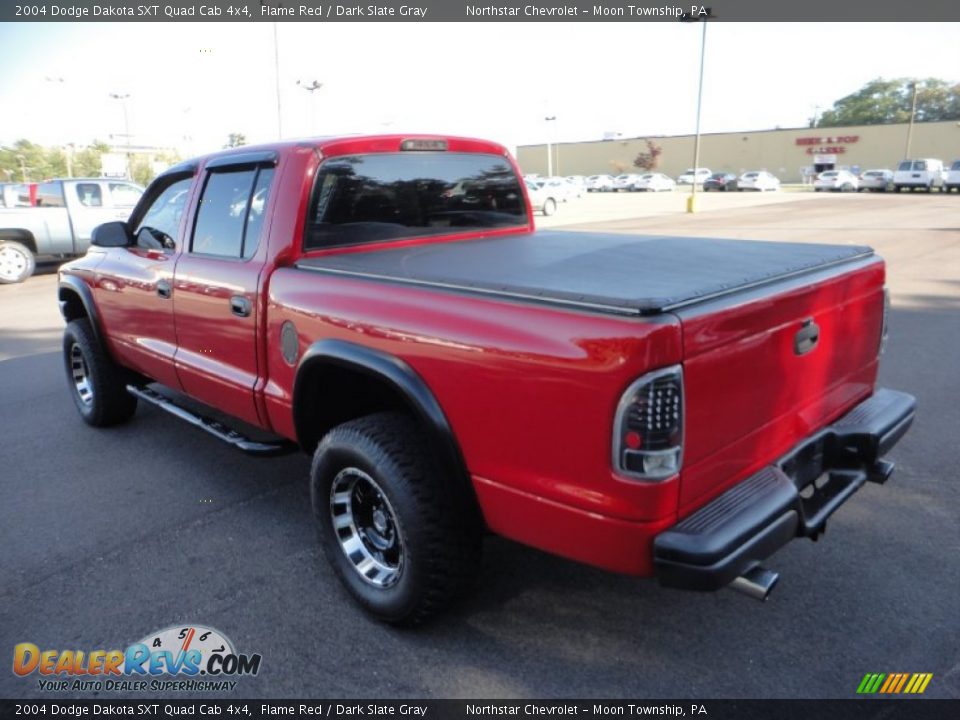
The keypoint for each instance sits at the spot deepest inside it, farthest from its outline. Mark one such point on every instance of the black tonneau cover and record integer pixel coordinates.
(623, 274)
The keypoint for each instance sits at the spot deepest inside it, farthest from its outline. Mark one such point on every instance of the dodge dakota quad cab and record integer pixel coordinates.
(668, 406)
(60, 223)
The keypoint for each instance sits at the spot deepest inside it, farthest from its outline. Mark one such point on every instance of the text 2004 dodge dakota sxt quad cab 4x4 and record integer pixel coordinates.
(666, 406)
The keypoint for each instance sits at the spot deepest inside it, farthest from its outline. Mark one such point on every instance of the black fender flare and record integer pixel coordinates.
(70, 283)
(402, 379)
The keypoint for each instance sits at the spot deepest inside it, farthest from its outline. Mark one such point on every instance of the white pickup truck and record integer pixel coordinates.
(55, 219)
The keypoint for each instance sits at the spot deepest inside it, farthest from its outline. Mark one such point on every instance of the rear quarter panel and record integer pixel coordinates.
(530, 391)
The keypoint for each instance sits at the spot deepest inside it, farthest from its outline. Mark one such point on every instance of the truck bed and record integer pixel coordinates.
(620, 274)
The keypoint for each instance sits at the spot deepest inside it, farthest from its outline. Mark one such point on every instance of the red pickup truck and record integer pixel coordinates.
(668, 406)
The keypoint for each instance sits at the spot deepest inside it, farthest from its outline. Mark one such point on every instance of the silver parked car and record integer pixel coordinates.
(542, 199)
(876, 180)
(836, 181)
(600, 183)
(758, 180)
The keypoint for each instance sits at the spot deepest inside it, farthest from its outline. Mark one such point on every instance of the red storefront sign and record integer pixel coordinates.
(834, 145)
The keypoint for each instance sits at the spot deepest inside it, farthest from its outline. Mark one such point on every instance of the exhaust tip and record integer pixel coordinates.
(881, 472)
(757, 582)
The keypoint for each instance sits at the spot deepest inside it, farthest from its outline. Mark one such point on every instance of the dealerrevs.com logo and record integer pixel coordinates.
(191, 658)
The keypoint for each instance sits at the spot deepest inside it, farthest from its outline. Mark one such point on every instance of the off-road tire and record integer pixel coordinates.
(97, 385)
(436, 526)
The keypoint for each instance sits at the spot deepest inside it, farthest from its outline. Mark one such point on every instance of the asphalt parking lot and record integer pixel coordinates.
(109, 535)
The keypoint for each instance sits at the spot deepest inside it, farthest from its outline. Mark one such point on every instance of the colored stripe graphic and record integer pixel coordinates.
(894, 683)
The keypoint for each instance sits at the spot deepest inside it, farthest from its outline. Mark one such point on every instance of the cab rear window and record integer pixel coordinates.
(386, 196)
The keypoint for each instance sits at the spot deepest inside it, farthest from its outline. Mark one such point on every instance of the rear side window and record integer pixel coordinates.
(231, 213)
(920, 165)
(956, 165)
(905, 165)
(125, 195)
(369, 198)
(90, 194)
(50, 194)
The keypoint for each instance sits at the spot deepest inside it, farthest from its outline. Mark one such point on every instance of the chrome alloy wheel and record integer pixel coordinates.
(12, 263)
(80, 375)
(366, 527)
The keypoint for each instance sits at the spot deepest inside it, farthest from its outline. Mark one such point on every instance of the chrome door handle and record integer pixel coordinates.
(240, 306)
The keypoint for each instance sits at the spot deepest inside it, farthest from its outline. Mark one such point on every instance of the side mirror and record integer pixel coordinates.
(112, 234)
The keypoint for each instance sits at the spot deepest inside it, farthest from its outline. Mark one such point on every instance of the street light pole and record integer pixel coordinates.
(913, 112)
(549, 150)
(276, 77)
(126, 125)
(692, 200)
(310, 88)
(68, 149)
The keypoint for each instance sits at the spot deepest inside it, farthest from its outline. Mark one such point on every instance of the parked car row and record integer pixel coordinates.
(924, 174)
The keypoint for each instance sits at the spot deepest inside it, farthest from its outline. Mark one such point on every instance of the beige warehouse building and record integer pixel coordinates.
(788, 154)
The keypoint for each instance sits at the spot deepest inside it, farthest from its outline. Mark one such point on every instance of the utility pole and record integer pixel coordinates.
(913, 112)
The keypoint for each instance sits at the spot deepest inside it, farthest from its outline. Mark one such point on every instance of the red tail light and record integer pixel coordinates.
(648, 427)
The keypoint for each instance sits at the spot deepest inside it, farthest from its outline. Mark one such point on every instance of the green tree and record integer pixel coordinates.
(86, 162)
(889, 101)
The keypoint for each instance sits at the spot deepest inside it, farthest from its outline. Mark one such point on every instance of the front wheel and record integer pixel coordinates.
(97, 385)
(549, 206)
(389, 522)
(16, 262)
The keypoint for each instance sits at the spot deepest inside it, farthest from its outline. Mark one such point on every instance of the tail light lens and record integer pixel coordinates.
(648, 427)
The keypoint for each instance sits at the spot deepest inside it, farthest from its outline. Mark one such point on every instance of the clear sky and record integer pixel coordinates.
(190, 85)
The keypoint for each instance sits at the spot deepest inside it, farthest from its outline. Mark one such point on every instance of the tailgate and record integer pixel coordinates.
(766, 369)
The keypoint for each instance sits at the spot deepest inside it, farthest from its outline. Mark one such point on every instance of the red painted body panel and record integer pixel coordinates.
(137, 323)
(750, 397)
(529, 390)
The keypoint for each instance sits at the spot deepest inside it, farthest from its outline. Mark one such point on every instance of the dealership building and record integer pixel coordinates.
(792, 154)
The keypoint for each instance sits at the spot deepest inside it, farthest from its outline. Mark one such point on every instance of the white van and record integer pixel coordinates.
(953, 177)
(926, 173)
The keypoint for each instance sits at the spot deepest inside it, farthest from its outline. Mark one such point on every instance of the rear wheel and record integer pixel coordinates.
(389, 523)
(98, 387)
(549, 206)
(16, 262)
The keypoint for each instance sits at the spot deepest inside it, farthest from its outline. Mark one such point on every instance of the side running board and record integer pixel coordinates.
(215, 428)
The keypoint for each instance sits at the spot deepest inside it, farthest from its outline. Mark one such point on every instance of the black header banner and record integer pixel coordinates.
(480, 11)
(159, 709)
